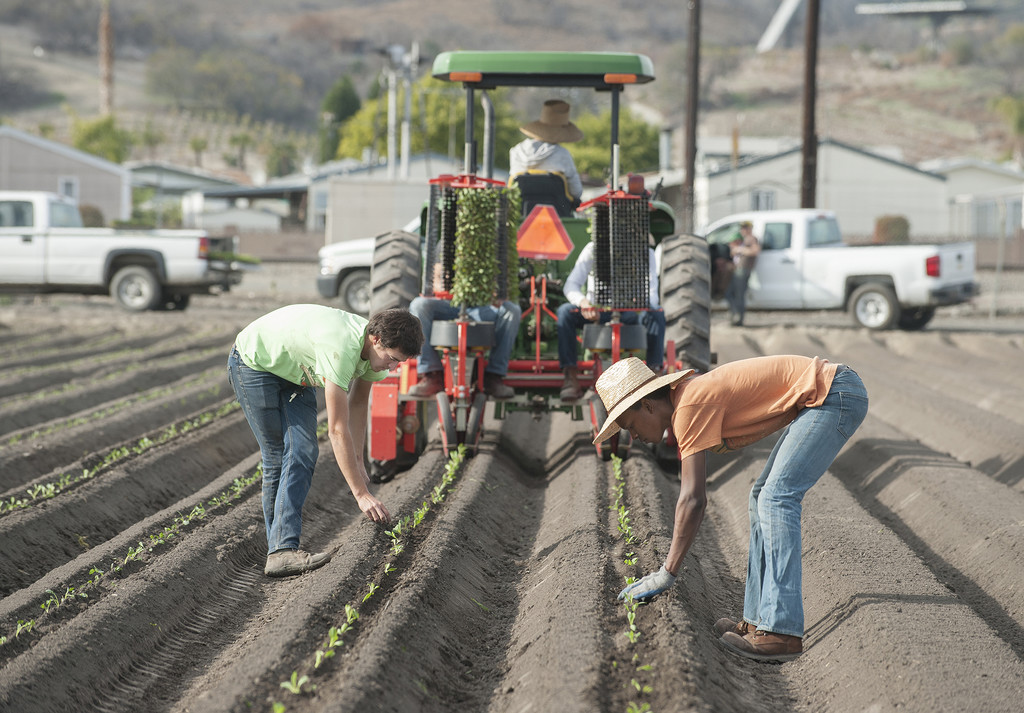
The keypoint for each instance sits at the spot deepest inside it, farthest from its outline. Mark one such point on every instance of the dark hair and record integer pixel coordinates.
(664, 393)
(397, 329)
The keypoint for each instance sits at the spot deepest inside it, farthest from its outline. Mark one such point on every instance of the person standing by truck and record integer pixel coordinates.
(744, 250)
(818, 404)
(277, 363)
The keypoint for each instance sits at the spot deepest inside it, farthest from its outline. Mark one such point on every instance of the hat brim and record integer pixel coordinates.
(552, 134)
(610, 427)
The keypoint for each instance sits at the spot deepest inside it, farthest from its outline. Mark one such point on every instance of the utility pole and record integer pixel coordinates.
(692, 98)
(106, 42)
(809, 176)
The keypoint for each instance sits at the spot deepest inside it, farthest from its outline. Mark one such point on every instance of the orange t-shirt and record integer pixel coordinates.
(743, 401)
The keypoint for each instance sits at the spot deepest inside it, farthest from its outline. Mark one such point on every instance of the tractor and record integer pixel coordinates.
(529, 237)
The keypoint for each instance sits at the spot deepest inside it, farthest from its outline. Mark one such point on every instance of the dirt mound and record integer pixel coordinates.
(140, 585)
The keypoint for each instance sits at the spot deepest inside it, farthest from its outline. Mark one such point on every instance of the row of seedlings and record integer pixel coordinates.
(642, 675)
(342, 631)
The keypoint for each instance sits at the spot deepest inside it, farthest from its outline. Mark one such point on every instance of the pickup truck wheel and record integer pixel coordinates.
(685, 282)
(916, 317)
(355, 292)
(395, 279)
(136, 288)
(874, 306)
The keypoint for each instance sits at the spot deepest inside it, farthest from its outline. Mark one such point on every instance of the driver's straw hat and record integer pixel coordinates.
(626, 382)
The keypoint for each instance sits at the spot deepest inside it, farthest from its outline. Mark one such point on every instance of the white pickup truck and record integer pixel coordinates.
(44, 248)
(804, 264)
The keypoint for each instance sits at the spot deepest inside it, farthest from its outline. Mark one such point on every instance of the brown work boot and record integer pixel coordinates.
(285, 563)
(571, 389)
(741, 627)
(428, 385)
(764, 646)
(496, 388)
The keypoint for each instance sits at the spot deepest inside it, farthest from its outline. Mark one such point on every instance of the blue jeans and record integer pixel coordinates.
(282, 416)
(736, 293)
(571, 320)
(773, 599)
(506, 329)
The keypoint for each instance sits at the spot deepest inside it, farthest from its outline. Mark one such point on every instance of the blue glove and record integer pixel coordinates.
(654, 583)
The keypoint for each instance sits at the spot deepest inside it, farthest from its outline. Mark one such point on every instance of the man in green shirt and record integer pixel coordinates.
(275, 367)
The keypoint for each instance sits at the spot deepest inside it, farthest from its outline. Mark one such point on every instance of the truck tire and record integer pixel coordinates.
(685, 282)
(136, 289)
(355, 292)
(874, 306)
(395, 279)
(915, 318)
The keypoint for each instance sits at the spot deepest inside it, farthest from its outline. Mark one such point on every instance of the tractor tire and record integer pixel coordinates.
(685, 282)
(395, 278)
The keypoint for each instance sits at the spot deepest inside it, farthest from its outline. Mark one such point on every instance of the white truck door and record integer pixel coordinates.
(776, 282)
(22, 245)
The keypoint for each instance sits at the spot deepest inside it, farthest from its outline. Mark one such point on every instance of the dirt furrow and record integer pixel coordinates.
(292, 620)
(44, 536)
(438, 639)
(28, 410)
(34, 451)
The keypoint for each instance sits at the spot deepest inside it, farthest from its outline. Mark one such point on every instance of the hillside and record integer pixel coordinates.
(924, 108)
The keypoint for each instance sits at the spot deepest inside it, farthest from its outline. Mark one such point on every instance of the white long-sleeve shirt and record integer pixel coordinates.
(541, 156)
(581, 273)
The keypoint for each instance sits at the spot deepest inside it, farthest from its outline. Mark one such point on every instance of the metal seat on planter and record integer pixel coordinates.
(479, 335)
(598, 337)
(545, 188)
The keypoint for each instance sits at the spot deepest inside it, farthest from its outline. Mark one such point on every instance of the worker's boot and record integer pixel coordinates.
(428, 385)
(571, 389)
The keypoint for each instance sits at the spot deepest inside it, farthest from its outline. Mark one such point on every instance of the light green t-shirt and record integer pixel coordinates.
(305, 344)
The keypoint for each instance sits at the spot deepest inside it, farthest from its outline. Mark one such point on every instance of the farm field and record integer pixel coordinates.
(132, 546)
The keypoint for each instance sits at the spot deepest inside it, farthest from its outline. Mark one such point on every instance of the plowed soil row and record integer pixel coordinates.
(504, 598)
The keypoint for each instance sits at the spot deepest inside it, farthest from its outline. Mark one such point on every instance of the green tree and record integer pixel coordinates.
(151, 137)
(241, 142)
(339, 104)
(638, 145)
(1012, 110)
(102, 137)
(282, 158)
(438, 112)
(198, 144)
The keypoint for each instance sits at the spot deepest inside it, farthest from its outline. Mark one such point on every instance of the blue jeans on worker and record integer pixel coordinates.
(506, 329)
(807, 447)
(736, 294)
(571, 321)
(282, 416)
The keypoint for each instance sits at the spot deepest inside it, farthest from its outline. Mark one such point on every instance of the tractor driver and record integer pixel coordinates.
(505, 315)
(578, 310)
(542, 152)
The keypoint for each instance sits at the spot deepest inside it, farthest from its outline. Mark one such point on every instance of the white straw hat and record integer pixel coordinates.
(554, 125)
(626, 382)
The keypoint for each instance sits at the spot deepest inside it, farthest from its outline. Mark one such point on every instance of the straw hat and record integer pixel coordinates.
(626, 382)
(554, 125)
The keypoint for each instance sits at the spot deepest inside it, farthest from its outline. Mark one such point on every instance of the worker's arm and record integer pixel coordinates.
(689, 514)
(690, 508)
(346, 428)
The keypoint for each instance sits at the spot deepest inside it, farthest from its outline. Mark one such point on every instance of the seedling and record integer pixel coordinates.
(296, 683)
(634, 708)
(373, 588)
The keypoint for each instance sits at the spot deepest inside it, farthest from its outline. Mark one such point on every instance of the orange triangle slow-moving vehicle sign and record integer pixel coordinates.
(542, 235)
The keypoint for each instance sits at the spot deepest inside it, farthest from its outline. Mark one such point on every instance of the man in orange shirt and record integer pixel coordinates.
(819, 405)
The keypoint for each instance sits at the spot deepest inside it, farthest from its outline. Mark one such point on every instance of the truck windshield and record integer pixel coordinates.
(822, 231)
(63, 215)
